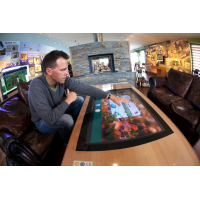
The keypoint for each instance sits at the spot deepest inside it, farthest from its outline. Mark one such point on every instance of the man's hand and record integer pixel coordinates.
(71, 97)
(117, 100)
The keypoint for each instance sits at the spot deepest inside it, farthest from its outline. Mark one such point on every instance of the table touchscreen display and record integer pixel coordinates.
(107, 126)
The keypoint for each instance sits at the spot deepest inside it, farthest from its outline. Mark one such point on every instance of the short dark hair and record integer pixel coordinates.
(50, 59)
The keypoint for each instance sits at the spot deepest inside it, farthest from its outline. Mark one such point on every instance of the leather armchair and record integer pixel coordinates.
(20, 140)
(178, 96)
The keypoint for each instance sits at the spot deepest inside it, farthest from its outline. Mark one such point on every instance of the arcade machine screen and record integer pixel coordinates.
(107, 126)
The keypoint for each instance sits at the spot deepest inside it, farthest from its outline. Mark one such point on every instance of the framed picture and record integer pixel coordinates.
(30, 61)
(159, 57)
(147, 53)
(175, 63)
(23, 56)
(37, 60)
(159, 51)
(187, 65)
(147, 62)
(175, 55)
(153, 58)
(14, 55)
(32, 71)
(38, 68)
(148, 68)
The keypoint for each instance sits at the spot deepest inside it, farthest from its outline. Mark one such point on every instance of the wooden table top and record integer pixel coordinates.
(171, 150)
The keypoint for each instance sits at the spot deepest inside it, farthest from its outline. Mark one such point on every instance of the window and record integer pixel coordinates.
(195, 50)
(137, 57)
(134, 59)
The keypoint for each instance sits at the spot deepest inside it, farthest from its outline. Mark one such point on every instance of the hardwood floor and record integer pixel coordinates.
(144, 90)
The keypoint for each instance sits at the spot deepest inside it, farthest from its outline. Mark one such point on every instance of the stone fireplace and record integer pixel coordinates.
(118, 50)
(101, 63)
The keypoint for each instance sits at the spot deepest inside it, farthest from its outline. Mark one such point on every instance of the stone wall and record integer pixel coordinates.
(79, 55)
(108, 77)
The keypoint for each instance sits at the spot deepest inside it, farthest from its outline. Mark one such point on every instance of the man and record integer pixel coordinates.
(70, 70)
(51, 114)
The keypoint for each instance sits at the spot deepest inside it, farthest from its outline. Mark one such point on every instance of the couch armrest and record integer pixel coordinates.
(5, 140)
(17, 151)
(156, 81)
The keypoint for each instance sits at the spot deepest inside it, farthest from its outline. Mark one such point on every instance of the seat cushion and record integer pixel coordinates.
(22, 88)
(187, 111)
(193, 95)
(164, 95)
(178, 82)
(37, 141)
(15, 116)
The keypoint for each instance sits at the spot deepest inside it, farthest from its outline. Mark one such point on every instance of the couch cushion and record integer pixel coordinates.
(164, 95)
(15, 116)
(178, 82)
(187, 111)
(37, 141)
(193, 95)
(22, 88)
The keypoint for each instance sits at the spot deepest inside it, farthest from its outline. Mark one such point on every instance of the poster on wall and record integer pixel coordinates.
(175, 55)
(176, 52)
(175, 63)
(187, 65)
(9, 53)
(159, 57)
(32, 54)
(38, 68)
(14, 53)
(147, 62)
(32, 71)
(147, 53)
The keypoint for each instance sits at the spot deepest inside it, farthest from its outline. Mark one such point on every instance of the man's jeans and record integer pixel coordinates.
(65, 124)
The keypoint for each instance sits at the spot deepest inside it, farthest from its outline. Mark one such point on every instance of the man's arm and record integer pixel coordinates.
(117, 100)
(41, 105)
(89, 90)
(81, 88)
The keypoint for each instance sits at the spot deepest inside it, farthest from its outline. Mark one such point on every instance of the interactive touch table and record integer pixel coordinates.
(138, 133)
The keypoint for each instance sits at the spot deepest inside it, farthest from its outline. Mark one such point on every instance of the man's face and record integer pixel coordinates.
(60, 72)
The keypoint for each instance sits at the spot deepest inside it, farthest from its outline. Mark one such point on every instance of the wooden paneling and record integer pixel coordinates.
(161, 70)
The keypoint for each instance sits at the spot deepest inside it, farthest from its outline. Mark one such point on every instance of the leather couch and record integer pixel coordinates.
(20, 140)
(178, 96)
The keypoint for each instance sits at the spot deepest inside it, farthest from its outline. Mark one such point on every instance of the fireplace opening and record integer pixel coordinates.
(101, 63)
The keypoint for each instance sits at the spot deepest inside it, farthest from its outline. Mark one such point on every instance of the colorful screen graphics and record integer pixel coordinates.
(107, 126)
